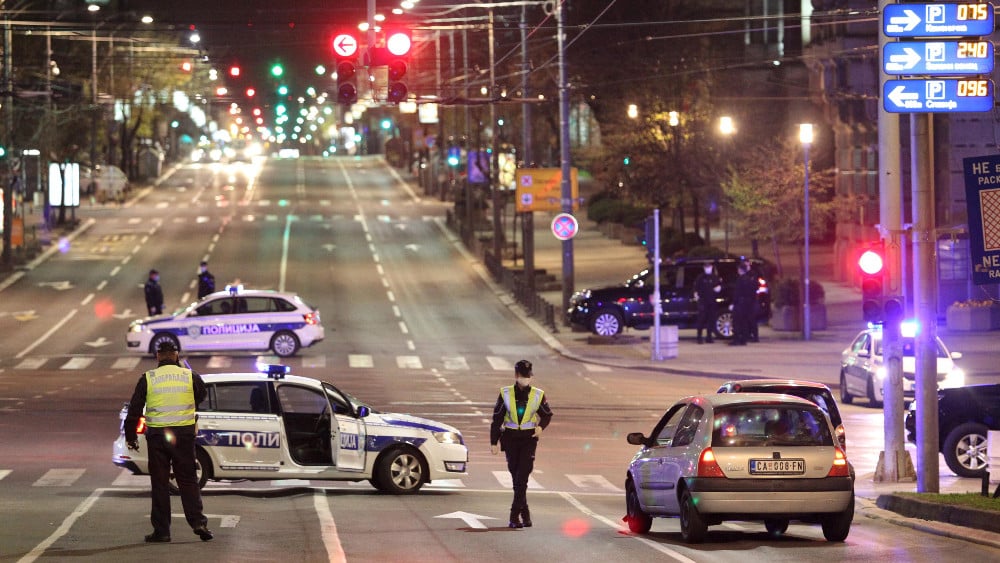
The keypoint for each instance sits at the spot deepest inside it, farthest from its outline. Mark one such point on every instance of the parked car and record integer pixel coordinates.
(108, 184)
(808, 390)
(607, 311)
(965, 415)
(740, 456)
(862, 367)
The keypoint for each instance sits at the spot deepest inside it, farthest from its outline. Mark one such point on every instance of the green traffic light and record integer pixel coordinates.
(627, 161)
(283, 90)
(3, 152)
(277, 70)
(386, 124)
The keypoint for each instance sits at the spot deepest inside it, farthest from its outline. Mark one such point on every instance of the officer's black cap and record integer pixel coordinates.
(166, 347)
(523, 368)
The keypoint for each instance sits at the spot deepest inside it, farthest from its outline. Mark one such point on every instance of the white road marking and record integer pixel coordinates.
(47, 334)
(408, 362)
(360, 361)
(4, 473)
(499, 364)
(126, 363)
(328, 529)
(80, 362)
(593, 367)
(63, 528)
(314, 362)
(593, 481)
(59, 478)
(505, 480)
(455, 362)
(30, 363)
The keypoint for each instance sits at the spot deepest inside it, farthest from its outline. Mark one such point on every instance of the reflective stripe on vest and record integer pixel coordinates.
(530, 418)
(170, 397)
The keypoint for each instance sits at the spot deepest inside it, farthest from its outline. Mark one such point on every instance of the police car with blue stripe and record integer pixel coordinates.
(234, 319)
(262, 426)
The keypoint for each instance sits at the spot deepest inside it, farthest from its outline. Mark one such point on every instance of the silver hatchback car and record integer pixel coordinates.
(740, 456)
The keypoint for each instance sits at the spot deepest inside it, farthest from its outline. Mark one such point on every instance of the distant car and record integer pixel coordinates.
(740, 456)
(264, 426)
(811, 391)
(607, 311)
(235, 319)
(109, 183)
(965, 416)
(862, 367)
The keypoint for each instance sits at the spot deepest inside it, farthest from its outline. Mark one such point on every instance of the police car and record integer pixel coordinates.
(234, 319)
(262, 426)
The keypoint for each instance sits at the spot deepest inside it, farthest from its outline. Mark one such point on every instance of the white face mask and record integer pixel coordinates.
(522, 382)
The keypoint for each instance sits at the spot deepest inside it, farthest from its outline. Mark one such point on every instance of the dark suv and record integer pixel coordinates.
(965, 415)
(606, 311)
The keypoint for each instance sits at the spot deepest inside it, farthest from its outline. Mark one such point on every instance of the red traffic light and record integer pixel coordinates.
(398, 43)
(234, 71)
(345, 45)
(251, 92)
(871, 262)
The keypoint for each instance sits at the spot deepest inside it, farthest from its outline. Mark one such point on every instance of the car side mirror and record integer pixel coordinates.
(363, 411)
(864, 354)
(956, 355)
(636, 439)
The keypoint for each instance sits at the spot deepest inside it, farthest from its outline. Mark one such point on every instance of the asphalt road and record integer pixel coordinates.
(411, 326)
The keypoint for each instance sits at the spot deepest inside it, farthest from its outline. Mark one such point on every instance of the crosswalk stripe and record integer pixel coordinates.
(59, 478)
(30, 363)
(593, 481)
(217, 362)
(360, 361)
(506, 481)
(409, 362)
(80, 362)
(455, 362)
(596, 368)
(499, 364)
(4, 473)
(125, 363)
(449, 483)
(127, 479)
(314, 362)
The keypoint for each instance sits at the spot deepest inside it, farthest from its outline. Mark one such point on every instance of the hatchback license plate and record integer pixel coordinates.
(777, 466)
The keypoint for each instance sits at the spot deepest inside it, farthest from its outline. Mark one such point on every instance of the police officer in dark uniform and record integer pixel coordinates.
(753, 326)
(154, 293)
(520, 415)
(206, 281)
(707, 286)
(170, 394)
(744, 294)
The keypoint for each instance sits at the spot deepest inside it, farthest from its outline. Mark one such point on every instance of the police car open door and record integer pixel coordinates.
(348, 436)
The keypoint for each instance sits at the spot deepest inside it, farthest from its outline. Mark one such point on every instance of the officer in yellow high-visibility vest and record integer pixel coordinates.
(520, 415)
(170, 394)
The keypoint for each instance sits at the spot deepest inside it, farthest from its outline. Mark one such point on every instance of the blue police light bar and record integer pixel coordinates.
(938, 95)
(273, 371)
(938, 57)
(938, 20)
(234, 289)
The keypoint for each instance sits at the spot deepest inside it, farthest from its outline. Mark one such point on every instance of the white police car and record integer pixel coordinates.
(235, 319)
(261, 426)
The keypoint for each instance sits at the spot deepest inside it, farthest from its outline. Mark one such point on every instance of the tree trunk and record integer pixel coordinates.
(779, 271)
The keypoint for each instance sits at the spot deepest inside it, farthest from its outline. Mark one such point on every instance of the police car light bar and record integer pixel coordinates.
(273, 371)
(234, 289)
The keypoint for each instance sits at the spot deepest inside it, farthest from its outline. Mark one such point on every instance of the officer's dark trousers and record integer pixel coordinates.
(178, 450)
(706, 321)
(520, 454)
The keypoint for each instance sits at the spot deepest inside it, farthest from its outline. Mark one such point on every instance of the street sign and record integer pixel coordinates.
(540, 189)
(937, 20)
(938, 57)
(564, 226)
(345, 45)
(942, 95)
(982, 197)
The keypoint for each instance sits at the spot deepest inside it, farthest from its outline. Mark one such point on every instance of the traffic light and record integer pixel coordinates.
(345, 50)
(396, 58)
(234, 71)
(454, 156)
(872, 265)
(251, 92)
(627, 160)
(277, 70)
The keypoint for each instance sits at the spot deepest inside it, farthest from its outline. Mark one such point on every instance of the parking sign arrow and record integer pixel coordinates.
(904, 23)
(903, 61)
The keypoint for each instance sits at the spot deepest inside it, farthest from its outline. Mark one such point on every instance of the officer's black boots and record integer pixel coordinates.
(515, 521)
(526, 517)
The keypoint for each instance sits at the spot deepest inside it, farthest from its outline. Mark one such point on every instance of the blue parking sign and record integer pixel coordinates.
(982, 197)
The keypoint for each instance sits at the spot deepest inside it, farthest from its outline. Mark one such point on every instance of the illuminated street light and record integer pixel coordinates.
(728, 128)
(806, 138)
(633, 111)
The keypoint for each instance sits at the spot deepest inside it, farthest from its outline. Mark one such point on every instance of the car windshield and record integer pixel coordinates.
(909, 347)
(758, 425)
(822, 399)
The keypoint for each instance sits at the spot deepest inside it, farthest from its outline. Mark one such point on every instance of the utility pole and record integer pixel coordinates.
(567, 189)
(526, 157)
(8, 142)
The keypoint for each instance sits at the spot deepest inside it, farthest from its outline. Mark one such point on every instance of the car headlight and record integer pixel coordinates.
(448, 437)
(955, 378)
(880, 373)
(135, 327)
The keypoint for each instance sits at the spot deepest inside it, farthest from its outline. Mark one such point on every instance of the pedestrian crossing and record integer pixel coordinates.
(450, 363)
(498, 480)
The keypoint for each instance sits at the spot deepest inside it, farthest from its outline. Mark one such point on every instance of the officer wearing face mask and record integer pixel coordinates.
(520, 415)
(707, 288)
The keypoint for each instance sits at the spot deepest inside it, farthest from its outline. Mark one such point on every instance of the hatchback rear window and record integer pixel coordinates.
(770, 425)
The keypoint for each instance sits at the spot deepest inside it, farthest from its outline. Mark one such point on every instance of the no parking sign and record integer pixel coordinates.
(565, 226)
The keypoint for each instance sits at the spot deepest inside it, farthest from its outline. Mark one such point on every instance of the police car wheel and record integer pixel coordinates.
(161, 338)
(724, 324)
(399, 471)
(203, 469)
(285, 344)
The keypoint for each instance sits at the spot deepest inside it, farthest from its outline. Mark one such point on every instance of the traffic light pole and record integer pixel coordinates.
(567, 186)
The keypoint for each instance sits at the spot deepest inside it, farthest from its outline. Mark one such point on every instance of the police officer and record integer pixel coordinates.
(154, 293)
(169, 394)
(206, 281)
(754, 328)
(744, 294)
(520, 415)
(707, 286)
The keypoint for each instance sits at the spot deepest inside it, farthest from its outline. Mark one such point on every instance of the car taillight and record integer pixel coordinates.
(707, 466)
(140, 427)
(840, 467)
(761, 285)
(841, 436)
(312, 318)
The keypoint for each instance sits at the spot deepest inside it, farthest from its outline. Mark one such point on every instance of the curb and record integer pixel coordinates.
(928, 521)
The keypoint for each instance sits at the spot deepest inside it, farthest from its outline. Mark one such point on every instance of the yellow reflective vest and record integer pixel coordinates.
(530, 418)
(170, 397)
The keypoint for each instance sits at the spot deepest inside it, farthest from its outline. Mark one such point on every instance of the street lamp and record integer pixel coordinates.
(633, 111)
(727, 128)
(806, 138)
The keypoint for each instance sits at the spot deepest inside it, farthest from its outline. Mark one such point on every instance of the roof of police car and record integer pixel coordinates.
(255, 376)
